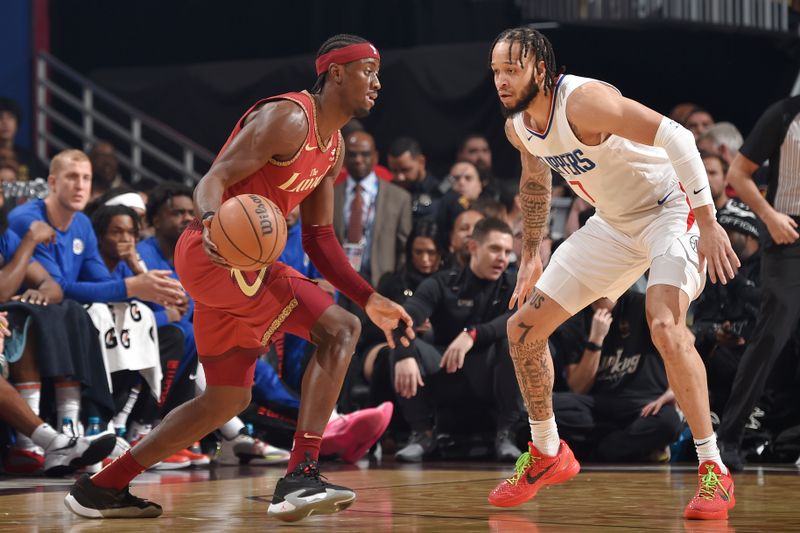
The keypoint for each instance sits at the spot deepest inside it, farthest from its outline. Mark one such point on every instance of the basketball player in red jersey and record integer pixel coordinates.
(287, 148)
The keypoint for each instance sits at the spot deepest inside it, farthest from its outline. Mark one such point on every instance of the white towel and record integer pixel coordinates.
(129, 340)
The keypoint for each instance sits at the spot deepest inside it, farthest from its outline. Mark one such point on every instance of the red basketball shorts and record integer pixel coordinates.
(237, 313)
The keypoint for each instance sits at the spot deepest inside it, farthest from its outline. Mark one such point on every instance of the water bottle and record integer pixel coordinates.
(68, 427)
(94, 426)
(93, 429)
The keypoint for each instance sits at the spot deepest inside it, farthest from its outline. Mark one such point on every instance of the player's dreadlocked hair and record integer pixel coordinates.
(337, 41)
(531, 40)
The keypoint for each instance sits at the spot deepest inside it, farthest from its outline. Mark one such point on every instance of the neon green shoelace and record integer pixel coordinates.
(709, 483)
(524, 461)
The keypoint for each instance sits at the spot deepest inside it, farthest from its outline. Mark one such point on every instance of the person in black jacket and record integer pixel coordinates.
(424, 256)
(725, 315)
(468, 361)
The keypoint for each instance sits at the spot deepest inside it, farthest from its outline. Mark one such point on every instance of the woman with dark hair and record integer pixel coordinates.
(423, 257)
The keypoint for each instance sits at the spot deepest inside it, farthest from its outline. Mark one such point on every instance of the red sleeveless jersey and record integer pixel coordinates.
(287, 183)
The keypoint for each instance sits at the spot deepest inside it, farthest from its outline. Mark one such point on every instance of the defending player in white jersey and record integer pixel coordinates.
(644, 176)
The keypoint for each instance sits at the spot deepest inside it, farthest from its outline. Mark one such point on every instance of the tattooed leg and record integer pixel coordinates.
(528, 331)
(534, 368)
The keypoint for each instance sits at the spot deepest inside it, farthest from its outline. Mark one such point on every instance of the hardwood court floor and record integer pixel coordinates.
(442, 497)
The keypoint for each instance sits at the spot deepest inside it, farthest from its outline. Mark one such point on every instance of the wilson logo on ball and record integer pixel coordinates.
(263, 215)
(249, 232)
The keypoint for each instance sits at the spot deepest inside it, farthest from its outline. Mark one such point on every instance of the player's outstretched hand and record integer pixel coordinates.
(210, 248)
(715, 247)
(530, 270)
(387, 315)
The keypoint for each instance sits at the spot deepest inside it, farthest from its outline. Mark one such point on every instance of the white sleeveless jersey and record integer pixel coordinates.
(628, 183)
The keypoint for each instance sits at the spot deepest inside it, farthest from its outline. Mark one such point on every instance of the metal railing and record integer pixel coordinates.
(771, 15)
(72, 112)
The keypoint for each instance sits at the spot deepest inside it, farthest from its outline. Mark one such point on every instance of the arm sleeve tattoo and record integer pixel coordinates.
(534, 196)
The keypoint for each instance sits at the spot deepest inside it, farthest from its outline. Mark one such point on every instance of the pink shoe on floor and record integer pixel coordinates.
(351, 436)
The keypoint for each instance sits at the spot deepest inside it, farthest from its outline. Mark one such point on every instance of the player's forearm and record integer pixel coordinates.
(748, 192)
(682, 151)
(326, 254)
(208, 195)
(535, 201)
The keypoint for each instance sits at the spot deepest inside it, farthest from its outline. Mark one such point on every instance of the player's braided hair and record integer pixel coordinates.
(337, 41)
(531, 40)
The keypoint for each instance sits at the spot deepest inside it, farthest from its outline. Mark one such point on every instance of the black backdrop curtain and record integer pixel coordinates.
(440, 93)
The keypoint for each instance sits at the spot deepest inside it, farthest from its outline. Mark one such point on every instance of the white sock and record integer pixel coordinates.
(707, 450)
(68, 401)
(199, 379)
(230, 430)
(47, 437)
(31, 392)
(121, 418)
(544, 434)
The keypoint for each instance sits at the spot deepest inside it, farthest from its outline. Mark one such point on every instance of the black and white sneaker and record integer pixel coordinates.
(90, 501)
(305, 492)
(67, 454)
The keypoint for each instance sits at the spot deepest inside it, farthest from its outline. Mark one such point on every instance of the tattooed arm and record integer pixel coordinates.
(534, 195)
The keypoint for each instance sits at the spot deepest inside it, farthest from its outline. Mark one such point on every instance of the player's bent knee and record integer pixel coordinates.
(664, 334)
(338, 331)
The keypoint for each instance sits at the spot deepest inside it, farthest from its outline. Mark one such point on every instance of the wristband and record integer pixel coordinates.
(472, 332)
(592, 347)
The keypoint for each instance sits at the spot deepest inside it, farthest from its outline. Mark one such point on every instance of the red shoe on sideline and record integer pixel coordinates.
(19, 461)
(714, 494)
(351, 436)
(532, 472)
(175, 461)
(195, 457)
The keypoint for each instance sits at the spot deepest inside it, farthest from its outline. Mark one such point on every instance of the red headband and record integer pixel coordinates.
(346, 55)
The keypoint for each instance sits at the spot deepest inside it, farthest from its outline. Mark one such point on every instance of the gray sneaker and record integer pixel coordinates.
(420, 445)
(504, 448)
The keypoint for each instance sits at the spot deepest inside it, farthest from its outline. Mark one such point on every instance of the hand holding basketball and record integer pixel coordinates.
(210, 248)
(248, 233)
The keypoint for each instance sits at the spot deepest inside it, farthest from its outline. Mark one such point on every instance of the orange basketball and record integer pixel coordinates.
(249, 231)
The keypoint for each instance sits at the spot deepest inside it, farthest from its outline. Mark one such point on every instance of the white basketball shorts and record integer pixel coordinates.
(598, 260)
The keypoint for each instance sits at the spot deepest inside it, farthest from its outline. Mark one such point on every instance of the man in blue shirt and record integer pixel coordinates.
(74, 260)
